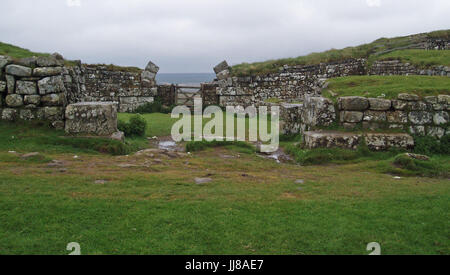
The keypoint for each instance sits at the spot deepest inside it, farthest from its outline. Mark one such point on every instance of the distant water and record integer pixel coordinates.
(186, 78)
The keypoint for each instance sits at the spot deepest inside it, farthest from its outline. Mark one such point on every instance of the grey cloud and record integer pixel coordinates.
(193, 35)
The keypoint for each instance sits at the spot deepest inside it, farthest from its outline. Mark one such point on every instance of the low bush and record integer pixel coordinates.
(427, 145)
(135, 127)
(406, 166)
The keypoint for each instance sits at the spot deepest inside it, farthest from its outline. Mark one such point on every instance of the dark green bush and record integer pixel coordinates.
(445, 145)
(135, 127)
(426, 145)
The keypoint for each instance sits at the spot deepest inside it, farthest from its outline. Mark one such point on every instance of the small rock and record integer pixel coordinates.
(418, 157)
(101, 182)
(299, 182)
(202, 180)
(55, 163)
(120, 136)
(30, 155)
(397, 178)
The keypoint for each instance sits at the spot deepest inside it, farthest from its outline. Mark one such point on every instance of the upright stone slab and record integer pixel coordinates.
(93, 118)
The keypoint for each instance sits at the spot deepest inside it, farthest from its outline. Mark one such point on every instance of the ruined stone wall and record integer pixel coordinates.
(396, 67)
(98, 83)
(209, 94)
(33, 89)
(291, 84)
(409, 113)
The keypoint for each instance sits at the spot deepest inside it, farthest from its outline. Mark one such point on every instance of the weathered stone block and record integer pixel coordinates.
(14, 100)
(2, 86)
(375, 116)
(147, 75)
(32, 99)
(98, 118)
(26, 88)
(53, 113)
(53, 100)
(27, 114)
(10, 84)
(51, 85)
(10, 114)
(151, 67)
(318, 111)
(417, 130)
(17, 70)
(47, 71)
(383, 141)
(4, 60)
(48, 61)
(378, 104)
(223, 75)
(221, 67)
(351, 116)
(353, 103)
(399, 104)
(444, 99)
(331, 140)
(441, 118)
(397, 117)
(27, 61)
(436, 132)
(408, 97)
(420, 117)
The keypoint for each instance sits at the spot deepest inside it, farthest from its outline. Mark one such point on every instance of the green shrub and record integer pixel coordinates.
(445, 145)
(426, 145)
(135, 127)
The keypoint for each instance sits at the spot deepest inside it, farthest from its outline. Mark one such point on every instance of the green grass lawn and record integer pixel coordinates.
(390, 86)
(252, 206)
(17, 52)
(419, 58)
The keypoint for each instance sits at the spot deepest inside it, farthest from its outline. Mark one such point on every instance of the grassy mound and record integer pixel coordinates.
(376, 48)
(389, 86)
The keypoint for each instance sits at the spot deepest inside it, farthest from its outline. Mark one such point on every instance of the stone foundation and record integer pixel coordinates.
(96, 118)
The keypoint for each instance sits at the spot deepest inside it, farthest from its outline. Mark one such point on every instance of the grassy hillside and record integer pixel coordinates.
(390, 86)
(378, 47)
(17, 52)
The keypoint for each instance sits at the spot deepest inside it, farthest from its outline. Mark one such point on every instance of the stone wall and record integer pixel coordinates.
(100, 83)
(291, 84)
(409, 113)
(33, 89)
(396, 67)
(209, 93)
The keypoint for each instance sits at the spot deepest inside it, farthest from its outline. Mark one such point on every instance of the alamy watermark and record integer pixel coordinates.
(260, 120)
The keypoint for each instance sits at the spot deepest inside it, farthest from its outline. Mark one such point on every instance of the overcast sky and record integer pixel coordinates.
(194, 35)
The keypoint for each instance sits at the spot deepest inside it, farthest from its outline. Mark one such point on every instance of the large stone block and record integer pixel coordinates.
(375, 116)
(420, 117)
(221, 67)
(97, 118)
(397, 117)
(51, 85)
(4, 60)
(318, 111)
(151, 67)
(436, 132)
(441, 118)
(10, 84)
(53, 100)
(378, 104)
(2, 86)
(47, 71)
(48, 61)
(10, 114)
(382, 141)
(17, 70)
(351, 116)
(53, 113)
(26, 87)
(408, 97)
(32, 99)
(399, 104)
(353, 103)
(331, 140)
(14, 100)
